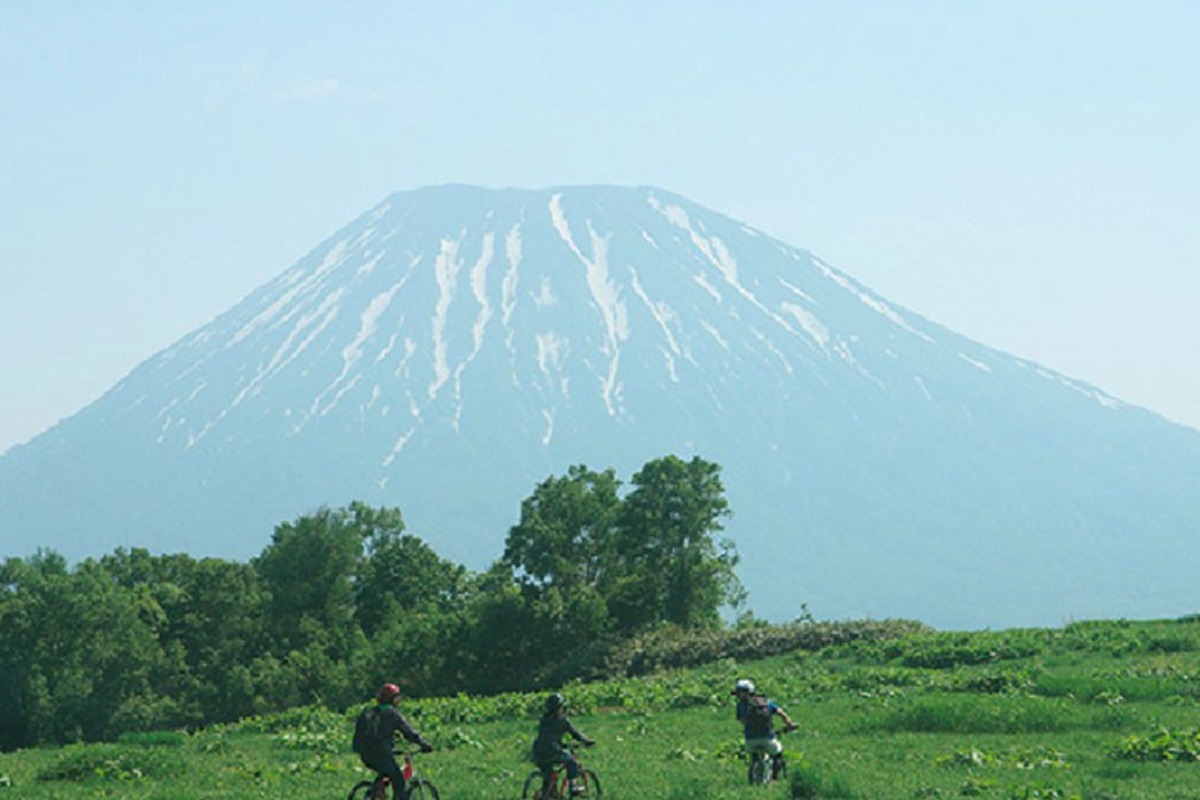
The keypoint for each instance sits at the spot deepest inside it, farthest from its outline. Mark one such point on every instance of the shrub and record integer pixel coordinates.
(153, 738)
(107, 762)
(1164, 745)
(806, 783)
(987, 714)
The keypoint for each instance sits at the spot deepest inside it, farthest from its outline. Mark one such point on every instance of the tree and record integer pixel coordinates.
(561, 553)
(308, 571)
(403, 576)
(412, 605)
(564, 536)
(671, 570)
(80, 654)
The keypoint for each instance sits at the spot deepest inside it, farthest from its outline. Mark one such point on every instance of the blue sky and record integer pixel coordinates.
(1027, 173)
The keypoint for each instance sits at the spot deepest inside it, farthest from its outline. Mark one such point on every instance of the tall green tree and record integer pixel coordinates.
(412, 605)
(307, 572)
(210, 624)
(565, 534)
(672, 569)
(561, 553)
(403, 576)
(81, 654)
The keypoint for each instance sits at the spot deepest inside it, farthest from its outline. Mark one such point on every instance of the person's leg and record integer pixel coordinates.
(547, 770)
(757, 748)
(776, 751)
(390, 768)
(399, 788)
(572, 765)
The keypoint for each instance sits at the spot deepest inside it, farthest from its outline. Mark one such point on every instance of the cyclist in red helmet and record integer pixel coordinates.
(374, 733)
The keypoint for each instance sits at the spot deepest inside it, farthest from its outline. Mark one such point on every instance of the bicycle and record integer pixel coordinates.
(763, 767)
(557, 786)
(416, 787)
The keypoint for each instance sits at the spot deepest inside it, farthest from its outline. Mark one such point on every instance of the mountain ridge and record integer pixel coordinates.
(495, 337)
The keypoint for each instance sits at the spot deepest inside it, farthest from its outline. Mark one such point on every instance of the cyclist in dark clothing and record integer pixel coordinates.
(548, 749)
(374, 737)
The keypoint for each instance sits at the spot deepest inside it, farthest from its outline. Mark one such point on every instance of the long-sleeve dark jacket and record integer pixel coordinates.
(551, 730)
(390, 720)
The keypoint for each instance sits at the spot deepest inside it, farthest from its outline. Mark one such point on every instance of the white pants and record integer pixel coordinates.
(767, 744)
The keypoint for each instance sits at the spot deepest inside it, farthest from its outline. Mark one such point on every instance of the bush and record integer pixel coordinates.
(1164, 745)
(673, 648)
(107, 762)
(985, 714)
(153, 738)
(806, 783)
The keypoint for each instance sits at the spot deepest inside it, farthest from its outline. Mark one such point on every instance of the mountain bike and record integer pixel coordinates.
(557, 786)
(763, 767)
(416, 787)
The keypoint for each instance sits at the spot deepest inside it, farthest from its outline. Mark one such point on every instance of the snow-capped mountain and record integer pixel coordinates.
(454, 346)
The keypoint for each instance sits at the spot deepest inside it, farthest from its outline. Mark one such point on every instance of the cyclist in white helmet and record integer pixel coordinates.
(756, 712)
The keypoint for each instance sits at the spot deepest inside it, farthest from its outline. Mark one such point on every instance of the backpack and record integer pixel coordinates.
(367, 731)
(758, 717)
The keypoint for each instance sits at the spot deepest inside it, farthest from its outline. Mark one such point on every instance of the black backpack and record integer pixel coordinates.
(367, 731)
(758, 717)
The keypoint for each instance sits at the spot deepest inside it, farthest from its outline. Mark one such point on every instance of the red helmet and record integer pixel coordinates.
(388, 692)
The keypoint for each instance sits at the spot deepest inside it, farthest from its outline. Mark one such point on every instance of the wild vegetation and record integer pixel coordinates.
(1091, 711)
(143, 676)
(343, 599)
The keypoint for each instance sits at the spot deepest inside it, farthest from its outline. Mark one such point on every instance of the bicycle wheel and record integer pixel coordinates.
(361, 791)
(534, 787)
(421, 789)
(760, 770)
(590, 784)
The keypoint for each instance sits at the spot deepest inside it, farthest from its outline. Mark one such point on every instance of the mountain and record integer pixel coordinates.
(454, 346)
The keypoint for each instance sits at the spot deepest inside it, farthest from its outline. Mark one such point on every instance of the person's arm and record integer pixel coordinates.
(579, 737)
(410, 734)
(784, 716)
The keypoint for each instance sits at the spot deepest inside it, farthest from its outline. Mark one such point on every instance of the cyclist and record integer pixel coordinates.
(548, 749)
(373, 736)
(756, 711)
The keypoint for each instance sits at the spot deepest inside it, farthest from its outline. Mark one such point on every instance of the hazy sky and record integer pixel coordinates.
(1027, 173)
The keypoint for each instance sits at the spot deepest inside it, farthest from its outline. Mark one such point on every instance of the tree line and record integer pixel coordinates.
(342, 599)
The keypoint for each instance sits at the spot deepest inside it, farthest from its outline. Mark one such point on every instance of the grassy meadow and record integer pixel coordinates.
(1094, 710)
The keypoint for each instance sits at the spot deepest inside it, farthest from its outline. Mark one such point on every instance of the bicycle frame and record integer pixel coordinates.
(760, 761)
(556, 784)
(381, 787)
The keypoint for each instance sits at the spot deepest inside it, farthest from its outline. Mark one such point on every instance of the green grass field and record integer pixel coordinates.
(1094, 711)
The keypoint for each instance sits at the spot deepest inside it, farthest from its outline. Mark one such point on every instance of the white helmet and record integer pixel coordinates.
(743, 685)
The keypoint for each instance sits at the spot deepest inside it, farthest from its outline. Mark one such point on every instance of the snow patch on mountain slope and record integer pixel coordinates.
(306, 331)
(870, 301)
(445, 269)
(478, 278)
(299, 284)
(352, 353)
(663, 315)
(974, 362)
(508, 286)
(718, 254)
(606, 297)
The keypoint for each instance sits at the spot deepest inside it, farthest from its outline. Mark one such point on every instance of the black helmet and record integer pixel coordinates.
(554, 702)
